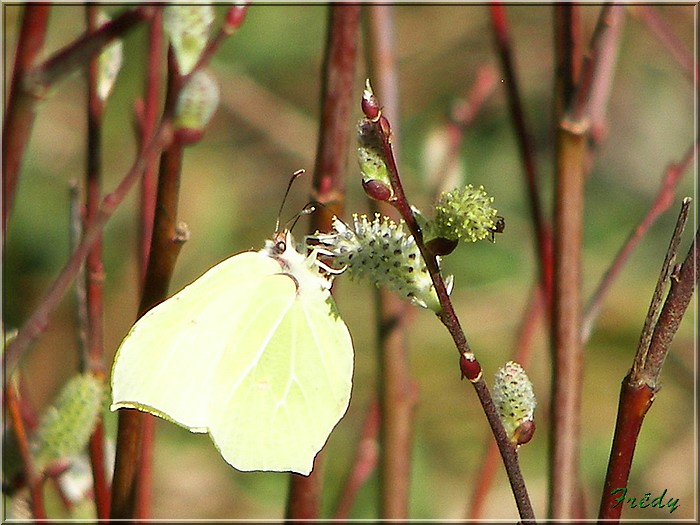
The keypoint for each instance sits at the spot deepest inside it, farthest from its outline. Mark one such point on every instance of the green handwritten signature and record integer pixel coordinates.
(645, 501)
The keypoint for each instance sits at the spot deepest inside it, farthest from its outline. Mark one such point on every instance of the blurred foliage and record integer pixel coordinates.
(266, 128)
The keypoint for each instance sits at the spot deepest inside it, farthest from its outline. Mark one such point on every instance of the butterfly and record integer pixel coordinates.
(253, 352)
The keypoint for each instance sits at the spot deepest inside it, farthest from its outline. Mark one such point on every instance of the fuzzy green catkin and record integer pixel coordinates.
(66, 426)
(109, 63)
(370, 157)
(464, 214)
(187, 27)
(381, 252)
(515, 400)
(197, 101)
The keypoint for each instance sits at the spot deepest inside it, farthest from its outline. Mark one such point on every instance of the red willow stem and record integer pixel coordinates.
(77, 53)
(31, 84)
(664, 199)
(34, 479)
(147, 119)
(566, 347)
(543, 234)
(132, 470)
(567, 369)
(571, 170)
(665, 34)
(534, 314)
(641, 384)
(396, 388)
(38, 321)
(304, 498)
(21, 107)
(447, 314)
(365, 462)
(94, 274)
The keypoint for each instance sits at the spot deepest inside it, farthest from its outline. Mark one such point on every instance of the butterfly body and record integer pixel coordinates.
(252, 352)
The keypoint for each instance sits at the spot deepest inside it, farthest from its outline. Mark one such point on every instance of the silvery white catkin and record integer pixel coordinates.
(379, 250)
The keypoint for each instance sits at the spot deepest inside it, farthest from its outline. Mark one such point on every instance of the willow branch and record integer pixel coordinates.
(21, 106)
(338, 72)
(663, 201)
(543, 235)
(641, 384)
(38, 321)
(396, 387)
(447, 314)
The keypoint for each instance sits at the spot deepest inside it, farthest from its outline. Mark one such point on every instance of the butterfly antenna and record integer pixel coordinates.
(306, 210)
(294, 177)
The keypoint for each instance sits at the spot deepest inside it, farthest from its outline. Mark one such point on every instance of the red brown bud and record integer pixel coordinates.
(377, 190)
(470, 367)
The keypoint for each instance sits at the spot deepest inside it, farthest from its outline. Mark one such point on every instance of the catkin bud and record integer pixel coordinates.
(515, 400)
(380, 251)
(109, 63)
(370, 156)
(370, 105)
(65, 427)
(195, 106)
(188, 26)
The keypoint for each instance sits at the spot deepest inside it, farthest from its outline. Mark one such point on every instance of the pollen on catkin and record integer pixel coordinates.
(380, 251)
(464, 214)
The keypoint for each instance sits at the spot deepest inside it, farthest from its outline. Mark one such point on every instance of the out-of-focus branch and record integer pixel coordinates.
(94, 269)
(21, 108)
(649, 14)
(31, 82)
(338, 76)
(664, 200)
(543, 234)
(396, 388)
(37, 322)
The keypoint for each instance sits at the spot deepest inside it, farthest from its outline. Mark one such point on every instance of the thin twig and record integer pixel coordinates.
(38, 321)
(94, 270)
(534, 314)
(146, 120)
(396, 388)
(447, 314)
(461, 118)
(664, 199)
(665, 34)
(653, 343)
(34, 478)
(365, 462)
(74, 56)
(543, 234)
(640, 386)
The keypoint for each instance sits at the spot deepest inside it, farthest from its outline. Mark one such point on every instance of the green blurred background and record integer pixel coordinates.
(266, 127)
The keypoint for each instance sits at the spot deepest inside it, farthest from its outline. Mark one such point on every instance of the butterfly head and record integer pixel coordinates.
(303, 268)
